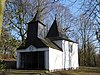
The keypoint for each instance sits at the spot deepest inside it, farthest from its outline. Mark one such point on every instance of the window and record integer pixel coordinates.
(70, 48)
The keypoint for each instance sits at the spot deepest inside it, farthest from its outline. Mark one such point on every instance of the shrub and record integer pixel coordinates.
(2, 66)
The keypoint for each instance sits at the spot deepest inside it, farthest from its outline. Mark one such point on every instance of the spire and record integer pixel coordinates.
(55, 16)
(36, 17)
(55, 30)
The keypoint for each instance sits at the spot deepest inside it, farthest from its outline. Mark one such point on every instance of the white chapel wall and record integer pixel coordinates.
(75, 63)
(55, 59)
(65, 54)
(70, 59)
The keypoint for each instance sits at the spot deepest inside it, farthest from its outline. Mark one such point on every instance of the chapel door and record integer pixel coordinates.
(32, 60)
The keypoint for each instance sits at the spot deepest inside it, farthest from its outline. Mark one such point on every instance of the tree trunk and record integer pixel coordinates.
(95, 63)
(2, 5)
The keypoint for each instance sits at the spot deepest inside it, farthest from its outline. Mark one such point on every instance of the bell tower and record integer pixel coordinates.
(36, 29)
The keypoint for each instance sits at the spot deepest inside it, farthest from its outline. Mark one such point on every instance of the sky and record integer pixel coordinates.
(75, 11)
(73, 6)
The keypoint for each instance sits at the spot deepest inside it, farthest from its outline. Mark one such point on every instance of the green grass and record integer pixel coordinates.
(80, 71)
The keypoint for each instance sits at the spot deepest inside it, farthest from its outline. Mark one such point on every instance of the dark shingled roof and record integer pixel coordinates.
(36, 19)
(32, 38)
(56, 33)
(40, 43)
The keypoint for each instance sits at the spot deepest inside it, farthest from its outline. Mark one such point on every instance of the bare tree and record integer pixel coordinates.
(89, 7)
(2, 6)
(86, 34)
(19, 13)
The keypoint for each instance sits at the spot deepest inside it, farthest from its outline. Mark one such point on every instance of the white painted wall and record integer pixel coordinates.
(70, 54)
(65, 54)
(55, 59)
(75, 63)
(70, 60)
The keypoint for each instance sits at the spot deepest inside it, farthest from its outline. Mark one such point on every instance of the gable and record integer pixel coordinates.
(31, 48)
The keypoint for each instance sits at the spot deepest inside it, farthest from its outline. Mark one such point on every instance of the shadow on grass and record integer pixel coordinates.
(64, 72)
(61, 73)
(12, 73)
(89, 69)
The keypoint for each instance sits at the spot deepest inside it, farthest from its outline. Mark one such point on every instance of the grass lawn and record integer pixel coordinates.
(81, 71)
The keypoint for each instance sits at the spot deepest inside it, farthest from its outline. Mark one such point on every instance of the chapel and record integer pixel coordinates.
(47, 50)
